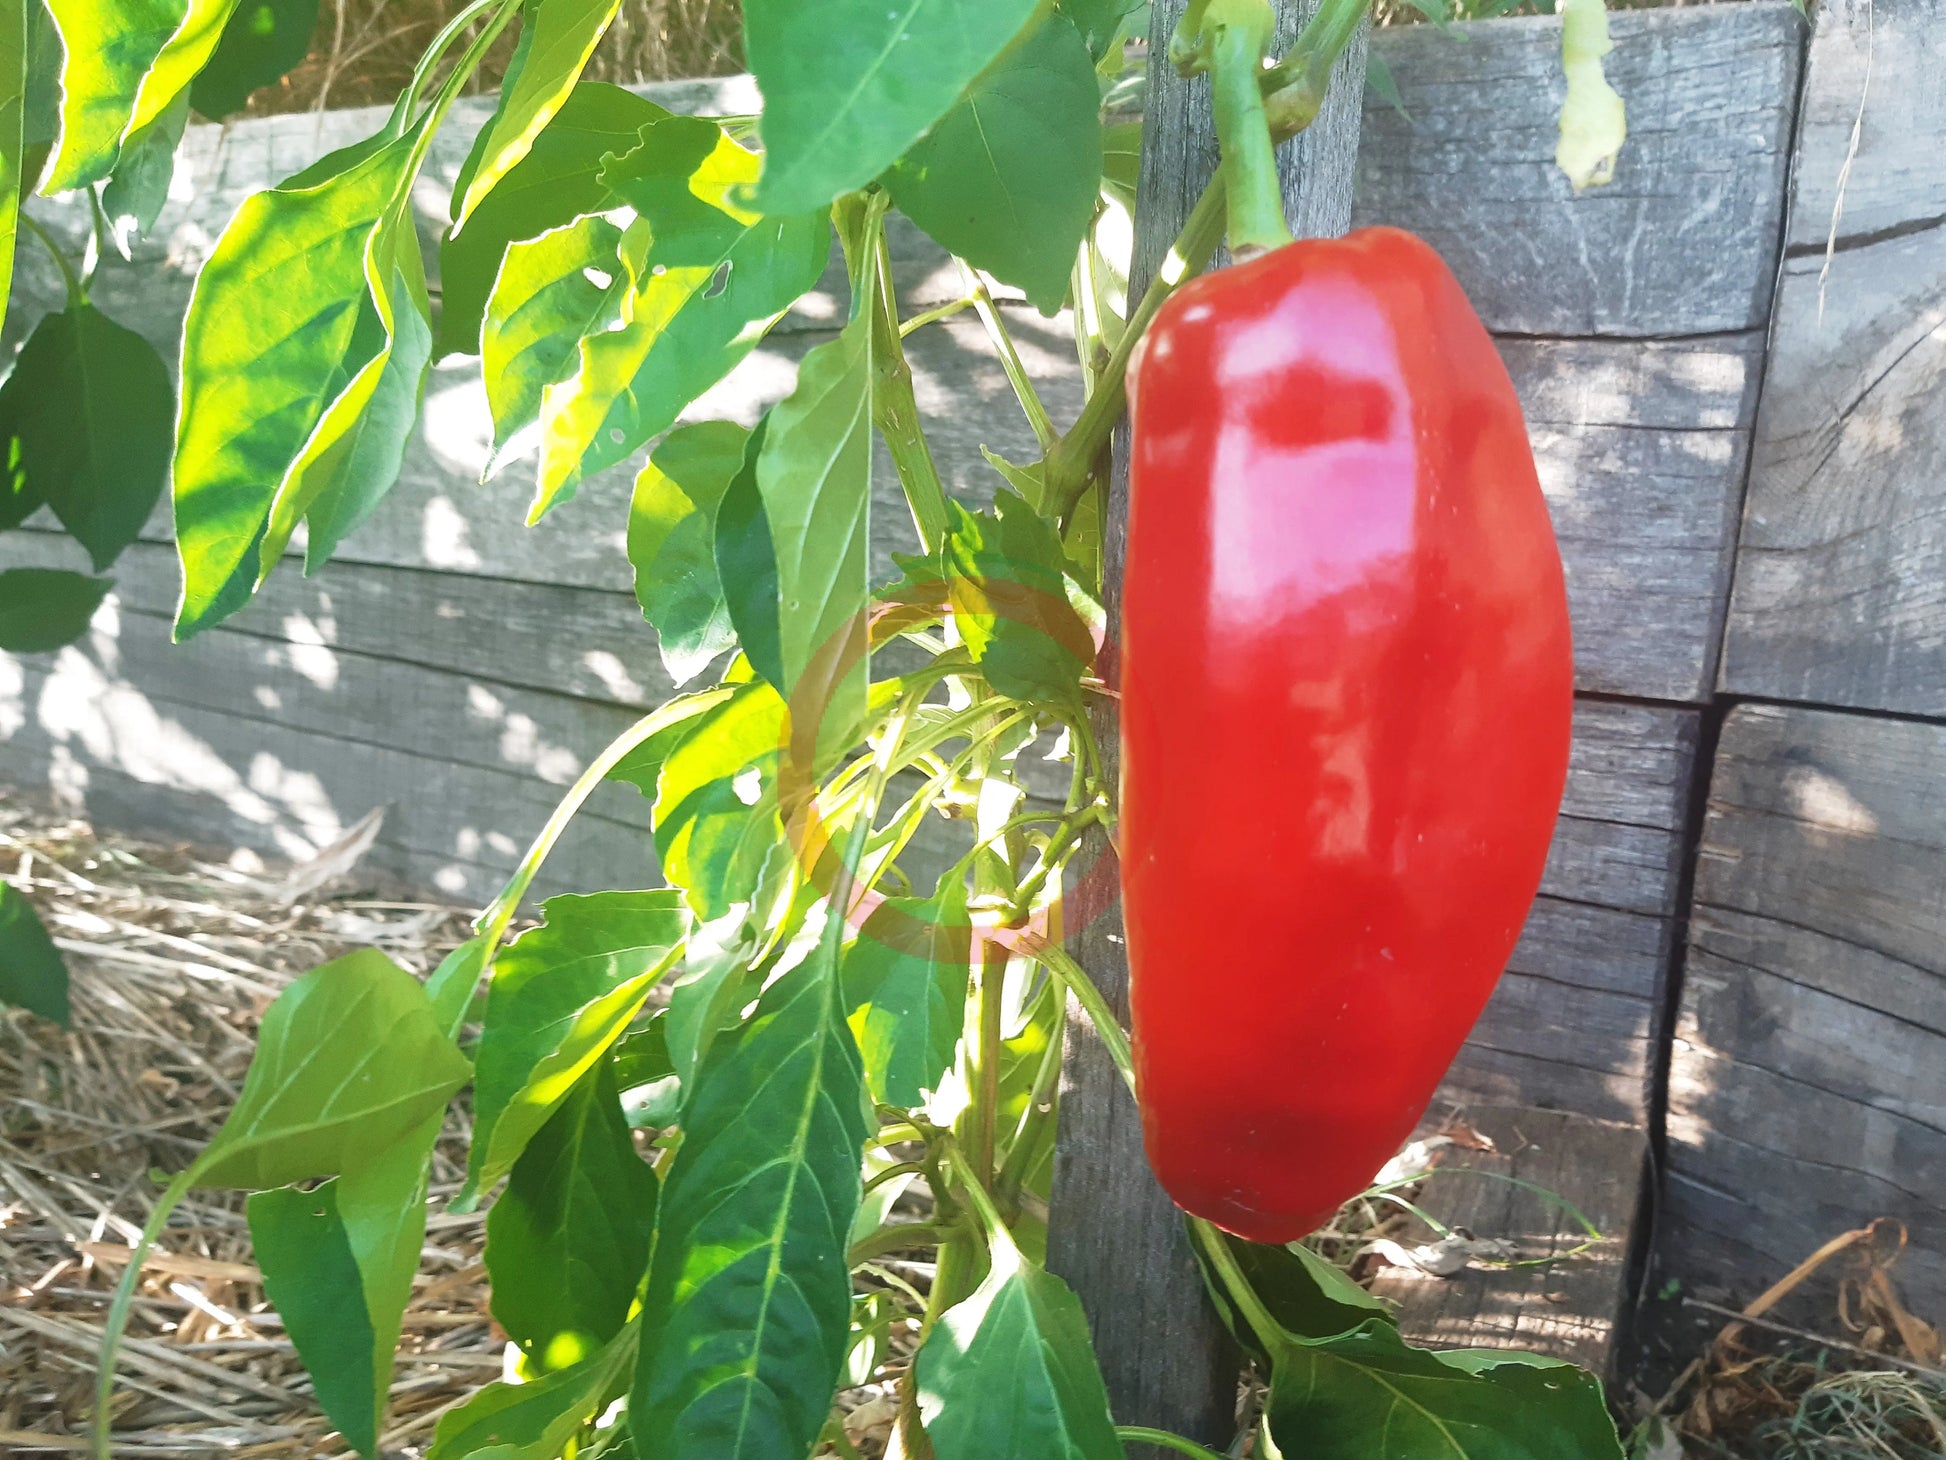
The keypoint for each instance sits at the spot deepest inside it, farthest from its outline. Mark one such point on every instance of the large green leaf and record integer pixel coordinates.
(45, 608)
(292, 315)
(14, 52)
(716, 828)
(746, 563)
(1307, 1295)
(747, 1309)
(560, 995)
(382, 1203)
(263, 42)
(672, 543)
(349, 1060)
(93, 408)
(905, 987)
(32, 975)
(533, 1421)
(1008, 178)
(814, 472)
(703, 277)
(546, 299)
(135, 192)
(1366, 1395)
(568, 1240)
(556, 39)
(1006, 580)
(558, 181)
(1009, 1374)
(849, 86)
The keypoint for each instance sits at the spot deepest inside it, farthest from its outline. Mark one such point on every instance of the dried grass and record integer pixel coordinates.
(173, 962)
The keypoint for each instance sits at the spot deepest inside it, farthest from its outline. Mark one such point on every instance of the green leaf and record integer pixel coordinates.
(15, 50)
(548, 296)
(533, 1421)
(849, 86)
(32, 975)
(94, 411)
(556, 39)
(716, 829)
(1303, 1292)
(382, 1202)
(127, 63)
(672, 543)
(703, 278)
(1594, 121)
(746, 563)
(264, 41)
(814, 472)
(1008, 178)
(1006, 581)
(1099, 21)
(560, 996)
(449, 987)
(568, 1240)
(349, 1060)
(20, 497)
(312, 1280)
(44, 608)
(558, 181)
(135, 192)
(1009, 1374)
(1366, 1395)
(645, 1072)
(905, 987)
(291, 319)
(747, 1310)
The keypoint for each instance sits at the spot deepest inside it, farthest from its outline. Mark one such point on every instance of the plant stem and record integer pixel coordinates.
(124, 1300)
(900, 1239)
(933, 316)
(1254, 195)
(1143, 1435)
(77, 291)
(1113, 1037)
(895, 410)
(430, 57)
(986, 1069)
(1224, 1261)
(1024, 392)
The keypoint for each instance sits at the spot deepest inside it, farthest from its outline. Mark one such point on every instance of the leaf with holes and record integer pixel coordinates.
(1009, 177)
(32, 976)
(44, 608)
(702, 279)
(672, 543)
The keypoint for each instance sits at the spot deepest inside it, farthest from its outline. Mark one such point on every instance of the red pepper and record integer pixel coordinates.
(1346, 687)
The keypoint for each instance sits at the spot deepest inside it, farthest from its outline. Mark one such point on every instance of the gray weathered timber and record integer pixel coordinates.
(1840, 592)
(1808, 1081)
(1113, 1233)
(1567, 1306)
(1684, 241)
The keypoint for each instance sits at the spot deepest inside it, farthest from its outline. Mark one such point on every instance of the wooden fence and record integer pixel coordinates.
(459, 669)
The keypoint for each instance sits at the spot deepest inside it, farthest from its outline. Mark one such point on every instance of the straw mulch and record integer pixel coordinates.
(173, 962)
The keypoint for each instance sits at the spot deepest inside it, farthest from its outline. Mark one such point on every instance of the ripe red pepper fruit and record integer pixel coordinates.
(1346, 687)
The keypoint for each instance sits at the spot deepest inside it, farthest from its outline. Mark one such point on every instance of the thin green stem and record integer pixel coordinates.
(1113, 1037)
(436, 50)
(1241, 33)
(77, 291)
(124, 1300)
(983, 1113)
(1010, 361)
(982, 1203)
(933, 316)
(892, 1173)
(468, 63)
(902, 1238)
(1143, 1435)
(895, 410)
(1224, 1263)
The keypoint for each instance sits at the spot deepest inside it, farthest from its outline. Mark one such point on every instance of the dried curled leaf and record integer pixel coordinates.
(1594, 121)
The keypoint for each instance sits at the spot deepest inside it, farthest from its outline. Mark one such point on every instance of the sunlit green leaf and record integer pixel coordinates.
(704, 278)
(556, 39)
(849, 86)
(746, 1314)
(560, 996)
(558, 181)
(568, 1240)
(533, 1421)
(288, 318)
(135, 192)
(1010, 1374)
(1009, 176)
(716, 828)
(32, 975)
(1005, 578)
(263, 42)
(45, 608)
(382, 1203)
(1594, 121)
(349, 1060)
(14, 56)
(672, 543)
(905, 988)
(94, 411)
(552, 291)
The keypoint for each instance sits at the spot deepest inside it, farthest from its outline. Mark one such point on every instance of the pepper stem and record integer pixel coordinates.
(1239, 32)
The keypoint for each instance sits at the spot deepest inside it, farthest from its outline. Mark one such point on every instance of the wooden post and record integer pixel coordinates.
(1112, 1232)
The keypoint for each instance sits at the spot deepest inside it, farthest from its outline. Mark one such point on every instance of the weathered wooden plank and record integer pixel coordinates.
(1840, 592)
(1685, 239)
(1808, 1077)
(1567, 1307)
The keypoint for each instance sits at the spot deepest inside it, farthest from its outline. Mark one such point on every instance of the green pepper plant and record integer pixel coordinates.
(698, 1107)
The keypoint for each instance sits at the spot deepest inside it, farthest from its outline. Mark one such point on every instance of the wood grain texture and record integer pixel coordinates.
(1840, 593)
(1567, 1303)
(1808, 1082)
(1684, 241)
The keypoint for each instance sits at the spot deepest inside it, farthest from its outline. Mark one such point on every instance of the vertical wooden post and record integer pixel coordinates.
(1112, 1232)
